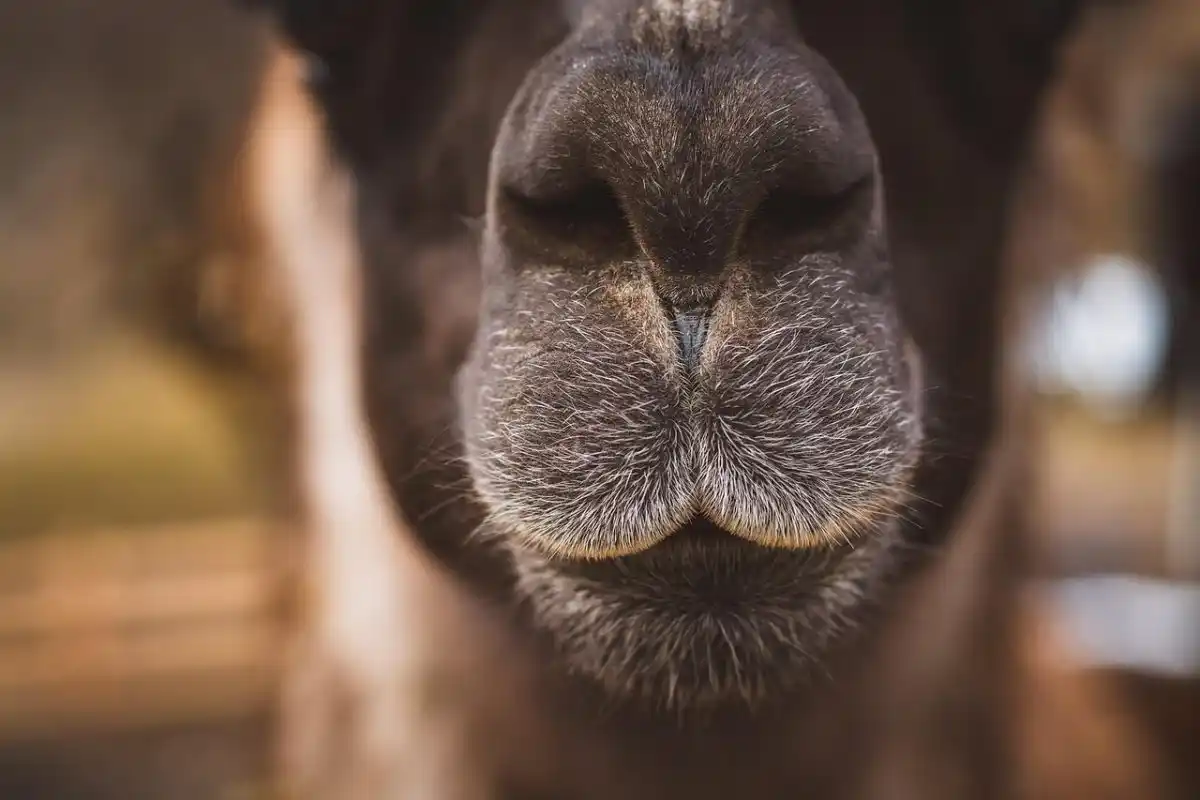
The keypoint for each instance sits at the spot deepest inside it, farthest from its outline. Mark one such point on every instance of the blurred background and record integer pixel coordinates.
(140, 486)
(143, 543)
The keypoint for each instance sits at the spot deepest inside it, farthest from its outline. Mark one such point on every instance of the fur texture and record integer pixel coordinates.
(782, 558)
(635, 176)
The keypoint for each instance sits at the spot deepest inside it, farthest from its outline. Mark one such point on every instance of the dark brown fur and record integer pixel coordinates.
(630, 181)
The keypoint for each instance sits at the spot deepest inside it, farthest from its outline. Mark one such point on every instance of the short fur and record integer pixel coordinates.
(785, 558)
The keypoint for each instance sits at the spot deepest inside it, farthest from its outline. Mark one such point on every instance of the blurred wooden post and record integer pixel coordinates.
(354, 723)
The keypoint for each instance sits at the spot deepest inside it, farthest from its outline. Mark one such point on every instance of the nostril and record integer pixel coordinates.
(588, 216)
(790, 212)
(691, 330)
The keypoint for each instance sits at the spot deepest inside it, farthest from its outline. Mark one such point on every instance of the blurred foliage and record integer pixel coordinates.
(127, 431)
(123, 119)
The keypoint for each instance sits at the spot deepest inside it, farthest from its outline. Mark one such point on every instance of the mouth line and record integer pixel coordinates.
(702, 546)
(702, 534)
(703, 574)
(702, 542)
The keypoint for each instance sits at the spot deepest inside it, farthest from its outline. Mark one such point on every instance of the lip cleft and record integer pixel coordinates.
(691, 330)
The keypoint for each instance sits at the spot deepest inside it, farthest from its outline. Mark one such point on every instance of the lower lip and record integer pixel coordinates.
(700, 534)
(701, 531)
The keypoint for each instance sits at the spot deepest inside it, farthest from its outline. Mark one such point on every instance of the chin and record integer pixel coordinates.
(704, 619)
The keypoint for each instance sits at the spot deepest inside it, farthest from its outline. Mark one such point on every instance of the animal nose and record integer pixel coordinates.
(610, 165)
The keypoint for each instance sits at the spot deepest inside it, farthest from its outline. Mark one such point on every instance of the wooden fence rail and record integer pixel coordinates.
(123, 628)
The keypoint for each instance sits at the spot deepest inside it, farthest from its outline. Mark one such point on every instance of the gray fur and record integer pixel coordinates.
(586, 438)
